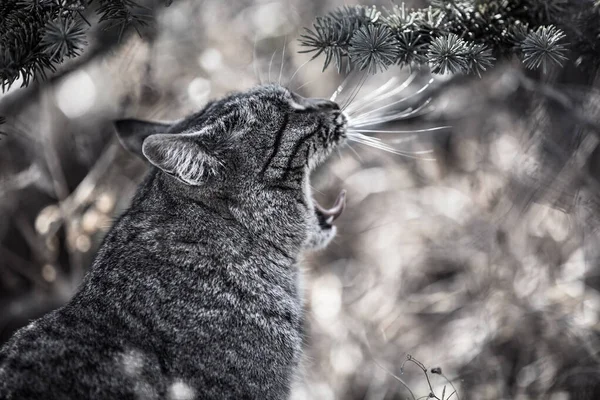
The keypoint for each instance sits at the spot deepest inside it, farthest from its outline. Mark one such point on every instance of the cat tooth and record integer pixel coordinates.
(334, 212)
(339, 206)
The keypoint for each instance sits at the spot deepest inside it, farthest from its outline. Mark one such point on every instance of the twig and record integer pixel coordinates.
(420, 365)
(366, 341)
(85, 189)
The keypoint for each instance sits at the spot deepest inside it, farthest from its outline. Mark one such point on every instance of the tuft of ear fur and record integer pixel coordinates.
(133, 132)
(181, 155)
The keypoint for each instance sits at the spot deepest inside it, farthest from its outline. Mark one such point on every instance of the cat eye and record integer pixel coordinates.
(300, 103)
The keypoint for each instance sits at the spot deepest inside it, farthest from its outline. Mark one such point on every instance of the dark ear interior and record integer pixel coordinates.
(133, 132)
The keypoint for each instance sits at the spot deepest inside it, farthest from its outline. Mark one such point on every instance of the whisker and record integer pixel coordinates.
(357, 136)
(375, 93)
(399, 101)
(307, 83)
(402, 139)
(282, 61)
(256, 72)
(315, 190)
(404, 114)
(384, 147)
(344, 104)
(378, 146)
(437, 128)
(360, 160)
(341, 87)
(271, 64)
(389, 94)
(297, 70)
(354, 93)
(354, 90)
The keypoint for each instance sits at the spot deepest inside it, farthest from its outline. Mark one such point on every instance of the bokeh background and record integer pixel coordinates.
(482, 262)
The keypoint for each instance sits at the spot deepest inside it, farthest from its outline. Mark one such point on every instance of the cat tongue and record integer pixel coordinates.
(334, 212)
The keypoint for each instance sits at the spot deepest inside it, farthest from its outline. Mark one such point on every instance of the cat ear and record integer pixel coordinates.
(133, 132)
(181, 155)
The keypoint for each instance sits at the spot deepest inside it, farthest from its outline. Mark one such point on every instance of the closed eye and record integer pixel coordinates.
(298, 103)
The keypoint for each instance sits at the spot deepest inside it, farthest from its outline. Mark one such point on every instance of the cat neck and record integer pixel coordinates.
(274, 216)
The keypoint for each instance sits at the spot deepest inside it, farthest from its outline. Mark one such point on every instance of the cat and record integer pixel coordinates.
(194, 292)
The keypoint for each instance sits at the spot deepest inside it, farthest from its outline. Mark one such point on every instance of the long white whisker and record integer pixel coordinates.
(354, 93)
(401, 140)
(357, 136)
(271, 64)
(382, 146)
(398, 101)
(375, 93)
(297, 70)
(315, 190)
(360, 160)
(389, 94)
(307, 83)
(437, 128)
(282, 61)
(394, 117)
(407, 113)
(341, 87)
(388, 149)
(256, 72)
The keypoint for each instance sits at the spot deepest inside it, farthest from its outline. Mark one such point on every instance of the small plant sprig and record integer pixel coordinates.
(449, 36)
(38, 35)
(435, 371)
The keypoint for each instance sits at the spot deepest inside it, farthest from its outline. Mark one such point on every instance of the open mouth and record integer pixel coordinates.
(327, 216)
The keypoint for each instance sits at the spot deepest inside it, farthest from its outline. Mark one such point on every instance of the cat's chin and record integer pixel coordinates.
(320, 238)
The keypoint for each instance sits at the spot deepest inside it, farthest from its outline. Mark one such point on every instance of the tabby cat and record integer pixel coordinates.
(194, 292)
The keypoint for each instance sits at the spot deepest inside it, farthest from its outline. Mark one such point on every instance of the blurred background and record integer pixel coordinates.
(482, 262)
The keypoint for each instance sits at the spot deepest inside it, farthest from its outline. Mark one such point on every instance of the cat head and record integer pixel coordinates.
(267, 138)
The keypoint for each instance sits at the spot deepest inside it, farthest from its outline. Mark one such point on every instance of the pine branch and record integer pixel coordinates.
(448, 55)
(373, 48)
(412, 49)
(121, 13)
(479, 58)
(449, 36)
(38, 35)
(329, 37)
(542, 48)
(63, 38)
